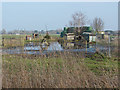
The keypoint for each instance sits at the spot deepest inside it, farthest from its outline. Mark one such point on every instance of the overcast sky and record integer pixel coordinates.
(36, 15)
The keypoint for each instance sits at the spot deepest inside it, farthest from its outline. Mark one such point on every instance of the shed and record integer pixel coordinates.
(35, 35)
(101, 35)
(92, 38)
(69, 36)
(28, 37)
(89, 37)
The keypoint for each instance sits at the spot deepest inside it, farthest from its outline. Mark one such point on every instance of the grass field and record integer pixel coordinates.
(19, 40)
(59, 71)
(8, 36)
(19, 36)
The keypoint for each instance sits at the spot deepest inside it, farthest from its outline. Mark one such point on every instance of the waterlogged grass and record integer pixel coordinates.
(98, 67)
(39, 40)
(7, 43)
(101, 64)
(8, 36)
(61, 70)
(19, 40)
(33, 40)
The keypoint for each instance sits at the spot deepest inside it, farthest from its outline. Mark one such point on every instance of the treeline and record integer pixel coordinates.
(30, 31)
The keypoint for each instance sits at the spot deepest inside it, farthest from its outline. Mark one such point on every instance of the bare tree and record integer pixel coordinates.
(3, 31)
(98, 24)
(78, 20)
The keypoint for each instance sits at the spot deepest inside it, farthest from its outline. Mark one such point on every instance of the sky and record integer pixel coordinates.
(55, 15)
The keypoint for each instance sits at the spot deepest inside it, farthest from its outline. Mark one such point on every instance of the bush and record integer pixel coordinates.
(97, 56)
(47, 36)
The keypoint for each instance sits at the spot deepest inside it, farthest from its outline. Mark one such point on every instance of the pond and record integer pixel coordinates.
(37, 48)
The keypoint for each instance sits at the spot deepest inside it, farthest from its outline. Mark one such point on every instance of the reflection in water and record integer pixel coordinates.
(37, 48)
(70, 45)
(55, 46)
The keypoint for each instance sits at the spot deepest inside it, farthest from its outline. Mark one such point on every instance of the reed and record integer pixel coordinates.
(58, 70)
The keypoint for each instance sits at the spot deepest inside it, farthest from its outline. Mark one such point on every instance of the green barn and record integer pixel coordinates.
(73, 29)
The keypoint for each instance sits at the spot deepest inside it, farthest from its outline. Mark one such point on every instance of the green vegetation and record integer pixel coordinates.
(72, 30)
(101, 64)
(59, 71)
(7, 36)
(105, 42)
(19, 40)
(8, 41)
(33, 40)
(47, 36)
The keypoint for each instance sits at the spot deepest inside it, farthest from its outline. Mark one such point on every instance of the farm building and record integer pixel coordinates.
(69, 36)
(17, 34)
(75, 29)
(35, 35)
(109, 32)
(101, 35)
(89, 37)
(28, 37)
(72, 33)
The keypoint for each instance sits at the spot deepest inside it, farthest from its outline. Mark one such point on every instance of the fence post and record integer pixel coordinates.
(2, 41)
(86, 46)
(109, 46)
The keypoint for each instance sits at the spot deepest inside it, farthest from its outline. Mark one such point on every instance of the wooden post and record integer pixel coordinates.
(109, 46)
(86, 46)
(2, 41)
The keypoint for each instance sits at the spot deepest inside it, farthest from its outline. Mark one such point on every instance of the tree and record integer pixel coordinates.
(98, 24)
(3, 31)
(35, 31)
(78, 21)
(47, 35)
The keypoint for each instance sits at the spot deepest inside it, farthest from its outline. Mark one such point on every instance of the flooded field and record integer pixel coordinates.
(37, 48)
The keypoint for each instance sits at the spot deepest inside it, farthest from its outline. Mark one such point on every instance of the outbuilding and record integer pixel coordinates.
(69, 36)
(35, 35)
(89, 37)
(28, 37)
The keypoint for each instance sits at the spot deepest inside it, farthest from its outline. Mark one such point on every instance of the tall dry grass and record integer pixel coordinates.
(56, 70)
(15, 42)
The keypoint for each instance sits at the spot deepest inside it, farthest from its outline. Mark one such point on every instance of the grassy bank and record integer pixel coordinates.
(19, 40)
(7, 43)
(59, 71)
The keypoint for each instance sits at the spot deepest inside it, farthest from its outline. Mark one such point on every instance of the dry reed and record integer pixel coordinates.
(56, 70)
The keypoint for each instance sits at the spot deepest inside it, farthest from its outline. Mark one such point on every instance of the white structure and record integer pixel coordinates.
(92, 38)
(17, 34)
(70, 36)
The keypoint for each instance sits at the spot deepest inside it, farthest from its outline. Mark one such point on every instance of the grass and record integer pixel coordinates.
(105, 42)
(101, 67)
(19, 40)
(8, 36)
(23, 36)
(7, 43)
(58, 71)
